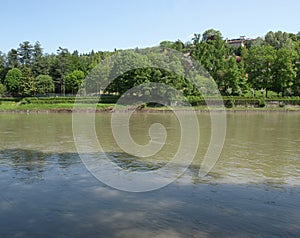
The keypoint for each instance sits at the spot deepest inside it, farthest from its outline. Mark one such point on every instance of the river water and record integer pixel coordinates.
(253, 190)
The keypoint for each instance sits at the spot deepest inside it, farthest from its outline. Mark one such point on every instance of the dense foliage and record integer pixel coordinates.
(264, 64)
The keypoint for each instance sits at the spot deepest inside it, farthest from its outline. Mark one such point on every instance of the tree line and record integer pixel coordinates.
(269, 63)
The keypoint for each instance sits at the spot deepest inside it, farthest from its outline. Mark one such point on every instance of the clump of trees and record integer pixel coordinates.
(269, 63)
(28, 71)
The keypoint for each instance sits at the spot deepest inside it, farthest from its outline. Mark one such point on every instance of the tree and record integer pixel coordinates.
(40, 63)
(3, 68)
(279, 39)
(284, 70)
(196, 39)
(25, 51)
(259, 41)
(211, 34)
(211, 53)
(12, 80)
(296, 84)
(44, 84)
(177, 45)
(122, 78)
(2, 89)
(260, 63)
(2, 60)
(37, 51)
(12, 58)
(27, 83)
(234, 78)
(98, 77)
(60, 67)
(73, 81)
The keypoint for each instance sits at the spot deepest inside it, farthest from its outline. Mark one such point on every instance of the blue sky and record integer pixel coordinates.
(107, 24)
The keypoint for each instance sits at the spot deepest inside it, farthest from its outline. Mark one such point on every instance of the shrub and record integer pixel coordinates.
(25, 101)
(262, 102)
(229, 103)
(196, 100)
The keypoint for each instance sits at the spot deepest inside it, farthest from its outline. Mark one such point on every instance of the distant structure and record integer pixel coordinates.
(240, 42)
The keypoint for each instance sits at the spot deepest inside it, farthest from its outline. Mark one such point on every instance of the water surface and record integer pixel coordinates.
(253, 191)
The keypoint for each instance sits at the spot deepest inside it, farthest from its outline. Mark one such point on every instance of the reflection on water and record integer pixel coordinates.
(132, 163)
(253, 191)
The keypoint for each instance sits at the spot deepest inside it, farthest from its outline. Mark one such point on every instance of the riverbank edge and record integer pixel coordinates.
(152, 110)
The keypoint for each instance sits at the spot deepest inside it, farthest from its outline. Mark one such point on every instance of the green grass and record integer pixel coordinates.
(13, 106)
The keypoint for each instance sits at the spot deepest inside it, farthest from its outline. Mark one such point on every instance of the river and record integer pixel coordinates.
(252, 191)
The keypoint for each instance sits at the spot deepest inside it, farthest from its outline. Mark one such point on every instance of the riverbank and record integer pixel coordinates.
(109, 108)
(108, 104)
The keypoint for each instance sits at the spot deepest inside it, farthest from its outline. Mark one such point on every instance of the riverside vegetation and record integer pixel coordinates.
(261, 72)
(108, 104)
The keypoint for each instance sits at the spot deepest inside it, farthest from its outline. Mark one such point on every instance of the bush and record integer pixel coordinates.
(229, 103)
(25, 101)
(196, 100)
(262, 102)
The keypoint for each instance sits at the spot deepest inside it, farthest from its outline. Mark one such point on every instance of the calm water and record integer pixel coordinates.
(253, 191)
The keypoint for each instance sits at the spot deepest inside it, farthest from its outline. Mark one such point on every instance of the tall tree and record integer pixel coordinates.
(260, 62)
(12, 58)
(37, 51)
(284, 70)
(234, 78)
(40, 63)
(2, 60)
(59, 68)
(296, 84)
(25, 51)
(214, 57)
(41, 66)
(3, 68)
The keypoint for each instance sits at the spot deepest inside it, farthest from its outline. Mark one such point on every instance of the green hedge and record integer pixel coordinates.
(194, 101)
(226, 101)
(244, 102)
(69, 100)
(10, 99)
